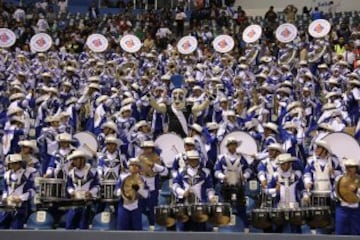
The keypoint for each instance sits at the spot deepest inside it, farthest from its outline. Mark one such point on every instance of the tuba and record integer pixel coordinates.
(343, 190)
(289, 57)
(318, 53)
(251, 54)
(127, 192)
(147, 163)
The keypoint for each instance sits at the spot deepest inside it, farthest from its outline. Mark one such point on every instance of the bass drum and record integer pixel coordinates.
(340, 144)
(87, 142)
(247, 146)
(170, 144)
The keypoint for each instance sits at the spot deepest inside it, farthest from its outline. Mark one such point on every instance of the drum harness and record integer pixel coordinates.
(322, 177)
(78, 182)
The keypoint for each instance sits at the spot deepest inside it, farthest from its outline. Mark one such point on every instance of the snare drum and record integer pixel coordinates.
(318, 217)
(181, 212)
(51, 189)
(199, 212)
(260, 218)
(297, 216)
(277, 216)
(320, 198)
(107, 190)
(220, 214)
(164, 216)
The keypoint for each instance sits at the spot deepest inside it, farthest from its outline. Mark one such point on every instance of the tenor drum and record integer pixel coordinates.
(88, 142)
(107, 191)
(297, 216)
(277, 216)
(51, 189)
(260, 218)
(200, 212)
(181, 212)
(164, 216)
(320, 198)
(318, 217)
(220, 214)
(170, 144)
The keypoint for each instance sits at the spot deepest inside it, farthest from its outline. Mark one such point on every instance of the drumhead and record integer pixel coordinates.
(343, 146)
(248, 145)
(170, 145)
(88, 142)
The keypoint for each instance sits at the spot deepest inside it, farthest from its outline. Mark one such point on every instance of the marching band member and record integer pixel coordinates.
(108, 129)
(152, 167)
(192, 185)
(230, 124)
(18, 189)
(233, 170)
(142, 133)
(286, 187)
(60, 166)
(28, 151)
(347, 191)
(82, 184)
(321, 169)
(132, 188)
(112, 162)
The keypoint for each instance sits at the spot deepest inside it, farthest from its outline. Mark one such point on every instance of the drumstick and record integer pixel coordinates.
(176, 150)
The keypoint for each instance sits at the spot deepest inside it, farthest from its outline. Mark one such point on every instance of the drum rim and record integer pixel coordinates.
(109, 182)
(51, 180)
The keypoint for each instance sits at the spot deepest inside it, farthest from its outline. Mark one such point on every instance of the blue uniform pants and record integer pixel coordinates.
(78, 218)
(347, 221)
(149, 206)
(12, 220)
(129, 220)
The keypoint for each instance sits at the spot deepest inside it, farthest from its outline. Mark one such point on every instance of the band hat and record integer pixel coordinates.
(21, 73)
(196, 127)
(261, 75)
(217, 70)
(230, 113)
(101, 99)
(189, 140)
(16, 96)
(288, 125)
(351, 162)
(329, 106)
(94, 79)
(284, 158)
(94, 85)
(284, 90)
(192, 154)
(13, 110)
(224, 99)
(303, 63)
(134, 161)
(52, 90)
(70, 69)
(77, 154)
(355, 82)
(232, 140)
(212, 126)
(271, 126)
(326, 126)
(276, 146)
(285, 66)
(323, 144)
(46, 74)
(343, 63)
(125, 108)
(198, 88)
(190, 79)
(110, 124)
(293, 105)
(71, 100)
(113, 139)
(64, 114)
(354, 75)
(140, 124)
(287, 84)
(146, 144)
(54, 118)
(165, 77)
(67, 83)
(215, 79)
(64, 137)
(250, 124)
(127, 101)
(14, 158)
(17, 119)
(31, 144)
(333, 80)
(266, 59)
(243, 66)
(332, 94)
(323, 66)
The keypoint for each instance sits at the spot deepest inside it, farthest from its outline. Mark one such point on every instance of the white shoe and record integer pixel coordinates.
(151, 228)
(246, 230)
(215, 229)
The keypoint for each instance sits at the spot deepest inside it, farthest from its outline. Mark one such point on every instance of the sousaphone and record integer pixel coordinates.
(286, 33)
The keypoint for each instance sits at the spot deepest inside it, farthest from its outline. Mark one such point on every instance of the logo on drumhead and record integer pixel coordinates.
(252, 33)
(223, 43)
(319, 28)
(130, 43)
(97, 42)
(286, 33)
(7, 38)
(41, 42)
(187, 45)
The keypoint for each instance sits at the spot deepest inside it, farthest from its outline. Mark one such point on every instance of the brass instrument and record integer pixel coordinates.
(317, 54)
(288, 58)
(147, 163)
(343, 189)
(128, 193)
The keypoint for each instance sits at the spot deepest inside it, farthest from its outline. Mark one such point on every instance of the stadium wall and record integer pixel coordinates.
(259, 7)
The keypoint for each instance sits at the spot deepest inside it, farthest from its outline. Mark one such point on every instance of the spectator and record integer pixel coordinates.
(317, 14)
(19, 15)
(63, 5)
(349, 55)
(344, 32)
(339, 48)
(306, 11)
(93, 11)
(270, 15)
(180, 17)
(290, 12)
